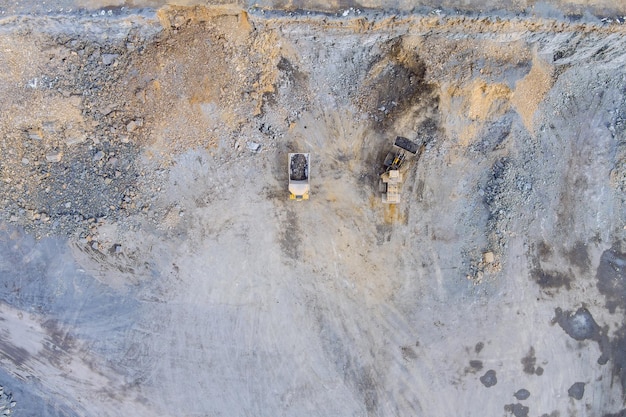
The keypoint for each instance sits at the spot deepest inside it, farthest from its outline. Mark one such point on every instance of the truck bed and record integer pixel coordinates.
(299, 167)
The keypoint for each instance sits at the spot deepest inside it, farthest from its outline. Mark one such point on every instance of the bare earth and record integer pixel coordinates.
(152, 264)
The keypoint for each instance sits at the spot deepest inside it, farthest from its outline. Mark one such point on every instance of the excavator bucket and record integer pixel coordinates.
(407, 145)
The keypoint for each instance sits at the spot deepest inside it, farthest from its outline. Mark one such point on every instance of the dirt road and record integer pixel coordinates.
(152, 264)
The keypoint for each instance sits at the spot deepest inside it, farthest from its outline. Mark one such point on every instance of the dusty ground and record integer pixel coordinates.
(152, 264)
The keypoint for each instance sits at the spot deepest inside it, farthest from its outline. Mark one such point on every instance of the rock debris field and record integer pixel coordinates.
(151, 262)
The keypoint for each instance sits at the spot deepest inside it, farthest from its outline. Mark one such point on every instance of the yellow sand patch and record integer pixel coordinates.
(175, 16)
(486, 100)
(206, 92)
(530, 91)
(469, 106)
(244, 22)
(393, 215)
(41, 108)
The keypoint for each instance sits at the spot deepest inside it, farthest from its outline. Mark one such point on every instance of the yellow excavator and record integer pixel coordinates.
(391, 179)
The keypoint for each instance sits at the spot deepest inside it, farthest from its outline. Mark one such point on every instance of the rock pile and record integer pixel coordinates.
(6, 402)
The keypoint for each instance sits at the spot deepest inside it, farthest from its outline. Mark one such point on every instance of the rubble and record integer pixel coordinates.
(7, 404)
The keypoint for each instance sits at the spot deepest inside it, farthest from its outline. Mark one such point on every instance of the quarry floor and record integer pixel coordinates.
(151, 262)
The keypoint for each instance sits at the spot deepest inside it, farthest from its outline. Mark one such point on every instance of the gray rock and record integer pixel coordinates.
(254, 147)
(489, 379)
(73, 140)
(108, 109)
(98, 156)
(34, 134)
(54, 156)
(134, 124)
(518, 409)
(49, 127)
(477, 365)
(577, 390)
(107, 59)
(522, 394)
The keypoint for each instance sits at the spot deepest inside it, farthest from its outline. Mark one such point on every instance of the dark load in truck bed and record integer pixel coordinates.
(299, 169)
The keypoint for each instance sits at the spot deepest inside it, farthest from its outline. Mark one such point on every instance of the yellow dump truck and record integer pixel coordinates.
(299, 168)
(391, 179)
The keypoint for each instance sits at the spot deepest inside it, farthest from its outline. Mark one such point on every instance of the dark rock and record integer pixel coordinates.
(529, 361)
(579, 325)
(577, 390)
(489, 379)
(518, 410)
(522, 394)
(611, 277)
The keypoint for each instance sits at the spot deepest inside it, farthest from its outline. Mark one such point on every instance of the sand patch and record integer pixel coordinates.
(472, 105)
(531, 90)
